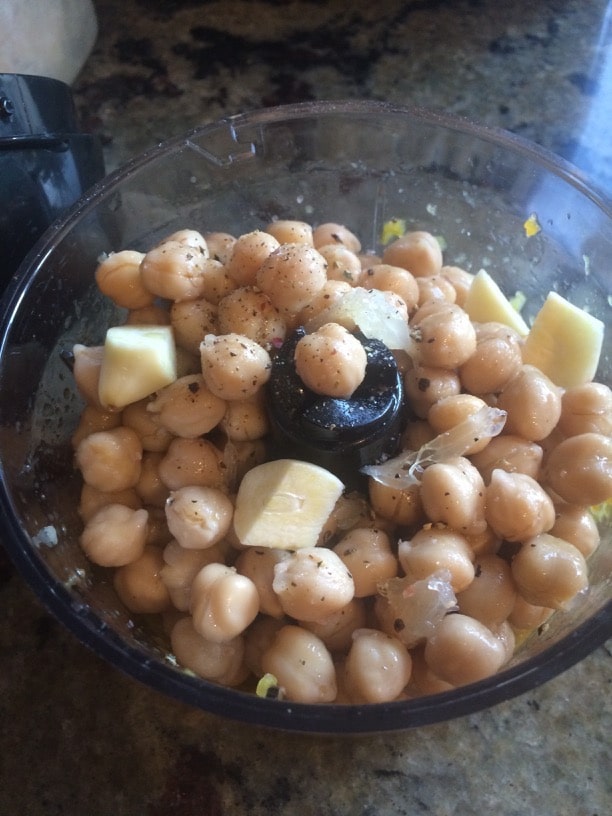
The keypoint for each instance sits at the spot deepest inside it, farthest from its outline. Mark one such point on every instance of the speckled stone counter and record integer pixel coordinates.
(77, 737)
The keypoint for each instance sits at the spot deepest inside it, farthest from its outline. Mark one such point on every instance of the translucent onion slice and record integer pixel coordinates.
(420, 606)
(405, 470)
(371, 312)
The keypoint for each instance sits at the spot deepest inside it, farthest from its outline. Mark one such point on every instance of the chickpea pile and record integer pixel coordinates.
(409, 591)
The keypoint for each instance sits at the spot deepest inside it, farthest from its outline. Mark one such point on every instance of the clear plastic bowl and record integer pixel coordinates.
(358, 163)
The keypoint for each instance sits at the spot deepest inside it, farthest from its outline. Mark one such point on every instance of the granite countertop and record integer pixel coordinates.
(77, 736)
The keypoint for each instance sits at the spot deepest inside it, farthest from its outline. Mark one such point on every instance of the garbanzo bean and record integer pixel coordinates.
(220, 245)
(291, 276)
(496, 360)
(223, 603)
(94, 419)
(491, 595)
(389, 278)
(312, 583)
(435, 288)
(191, 321)
(586, 409)
(248, 254)
(528, 616)
(115, 535)
(505, 634)
(258, 638)
(250, 312)
(258, 564)
(579, 469)
(245, 420)
(153, 315)
(302, 665)
(402, 507)
(510, 453)
(181, 566)
(367, 554)
(351, 510)
(331, 233)
(533, 403)
(234, 366)
(118, 277)
(422, 679)
(189, 462)
(216, 281)
(86, 372)
(174, 270)
(332, 292)
(331, 361)
(139, 586)
(152, 434)
(484, 542)
(453, 493)
(187, 363)
(576, 525)
(336, 630)
(445, 339)
(463, 650)
(190, 238)
(435, 548)
(430, 307)
(517, 507)
(93, 500)
(198, 517)
(549, 571)
(417, 433)
(418, 252)
(239, 458)
(287, 231)
(110, 460)
(377, 667)
(425, 385)
(342, 264)
(368, 259)
(461, 281)
(450, 411)
(187, 408)
(150, 487)
(218, 662)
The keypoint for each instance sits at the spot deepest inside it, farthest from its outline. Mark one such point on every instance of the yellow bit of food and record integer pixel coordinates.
(283, 504)
(564, 342)
(137, 361)
(485, 302)
(393, 228)
(532, 226)
(267, 686)
(442, 241)
(602, 513)
(518, 301)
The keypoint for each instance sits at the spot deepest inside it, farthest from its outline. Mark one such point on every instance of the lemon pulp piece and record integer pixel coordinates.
(393, 228)
(564, 342)
(532, 226)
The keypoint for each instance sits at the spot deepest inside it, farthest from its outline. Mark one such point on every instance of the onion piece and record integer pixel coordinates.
(405, 470)
(371, 312)
(419, 607)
